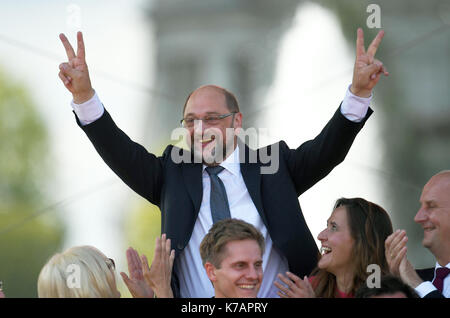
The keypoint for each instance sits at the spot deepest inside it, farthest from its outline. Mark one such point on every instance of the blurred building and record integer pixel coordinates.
(230, 43)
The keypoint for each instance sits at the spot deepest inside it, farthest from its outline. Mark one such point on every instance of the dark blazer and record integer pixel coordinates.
(176, 188)
(427, 274)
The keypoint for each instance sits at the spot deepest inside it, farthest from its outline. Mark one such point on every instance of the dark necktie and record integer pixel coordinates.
(441, 273)
(218, 200)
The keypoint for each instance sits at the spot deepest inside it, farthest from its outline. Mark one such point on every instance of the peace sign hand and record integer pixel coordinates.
(367, 70)
(74, 73)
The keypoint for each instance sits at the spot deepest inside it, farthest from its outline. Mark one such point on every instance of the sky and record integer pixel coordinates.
(119, 44)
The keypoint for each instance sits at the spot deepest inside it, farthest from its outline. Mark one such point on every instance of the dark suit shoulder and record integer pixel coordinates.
(434, 294)
(427, 274)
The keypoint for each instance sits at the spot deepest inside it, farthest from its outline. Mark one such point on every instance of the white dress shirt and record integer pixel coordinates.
(427, 287)
(192, 276)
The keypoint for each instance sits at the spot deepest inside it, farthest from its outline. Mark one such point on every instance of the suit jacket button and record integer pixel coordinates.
(180, 246)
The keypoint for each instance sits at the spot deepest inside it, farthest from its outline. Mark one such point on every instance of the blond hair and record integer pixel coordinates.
(96, 275)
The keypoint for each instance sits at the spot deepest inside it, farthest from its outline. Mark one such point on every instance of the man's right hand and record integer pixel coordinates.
(395, 250)
(74, 73)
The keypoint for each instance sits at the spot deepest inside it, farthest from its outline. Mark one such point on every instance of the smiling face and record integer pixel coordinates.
(240, 273)
(434, 216)
(205, 102)
(337, 244)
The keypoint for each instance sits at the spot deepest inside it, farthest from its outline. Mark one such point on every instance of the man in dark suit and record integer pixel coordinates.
(204, 187)
(434, 217)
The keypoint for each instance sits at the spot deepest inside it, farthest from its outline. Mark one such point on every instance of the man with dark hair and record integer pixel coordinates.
(192, 196)
(390, 287)
(232, 253)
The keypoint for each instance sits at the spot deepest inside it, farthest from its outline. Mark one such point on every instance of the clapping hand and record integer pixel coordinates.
(367, 70)
(136, 283)
(399, 265)
(74, 73)
(294, 287)
(159, 275)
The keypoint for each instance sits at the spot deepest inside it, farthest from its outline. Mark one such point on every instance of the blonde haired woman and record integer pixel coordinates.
(81, 271)
(85, 272)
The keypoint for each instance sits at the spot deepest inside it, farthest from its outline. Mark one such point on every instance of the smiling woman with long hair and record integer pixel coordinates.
(353, 240)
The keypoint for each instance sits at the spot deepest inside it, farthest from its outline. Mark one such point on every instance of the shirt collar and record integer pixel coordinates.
(439, 266)
(231, 164)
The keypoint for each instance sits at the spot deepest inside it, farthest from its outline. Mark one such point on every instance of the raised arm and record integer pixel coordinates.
(140, 170)
(314, 159)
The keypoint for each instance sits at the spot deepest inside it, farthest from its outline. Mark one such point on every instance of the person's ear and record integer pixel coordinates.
(211, 271)
(237, 120)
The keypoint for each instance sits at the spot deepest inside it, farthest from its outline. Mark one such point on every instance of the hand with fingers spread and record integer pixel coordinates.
(367, 70)
(136, 283)
(158, 276)
(294, 287)
(395, 250)
(74, 73)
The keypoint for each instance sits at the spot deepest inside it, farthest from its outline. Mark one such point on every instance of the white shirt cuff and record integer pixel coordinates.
(89, 111)
(353, 107)
(424, 289)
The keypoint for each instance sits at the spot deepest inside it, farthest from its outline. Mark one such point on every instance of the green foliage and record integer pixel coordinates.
(24, 251)
(143, 226)
(23, 145)
(141, 229)
(26, 242)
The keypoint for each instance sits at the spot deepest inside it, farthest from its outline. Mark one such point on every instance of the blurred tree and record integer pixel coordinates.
(142, 226)
(25, 242)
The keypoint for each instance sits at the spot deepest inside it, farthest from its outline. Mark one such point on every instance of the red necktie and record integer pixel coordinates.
(441, 273)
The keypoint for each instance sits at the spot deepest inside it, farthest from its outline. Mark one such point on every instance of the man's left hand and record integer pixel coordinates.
(367, 70)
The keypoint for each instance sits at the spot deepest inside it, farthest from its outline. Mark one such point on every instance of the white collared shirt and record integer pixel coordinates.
(427, 287)
(192, 276)
(193, 279)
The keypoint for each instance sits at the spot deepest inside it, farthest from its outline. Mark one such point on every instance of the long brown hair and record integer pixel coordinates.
(369, 225)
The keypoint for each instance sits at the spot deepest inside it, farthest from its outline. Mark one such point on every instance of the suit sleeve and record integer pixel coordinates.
(139, 169)
(434, 294)
(315, 159)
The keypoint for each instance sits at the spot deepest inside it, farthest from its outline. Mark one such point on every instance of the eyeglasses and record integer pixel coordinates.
(110, 263)
(210, 120)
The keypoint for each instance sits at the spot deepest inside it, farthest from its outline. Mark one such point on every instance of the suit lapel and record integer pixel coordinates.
(192, 176)
(252, 179)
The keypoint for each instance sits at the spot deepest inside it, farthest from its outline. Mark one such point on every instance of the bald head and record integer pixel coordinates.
(434, 216)
(441, 177)
(228, 99)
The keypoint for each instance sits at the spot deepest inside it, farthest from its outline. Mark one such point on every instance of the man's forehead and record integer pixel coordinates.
(437, 188)
(241, 250)
(208, 98)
